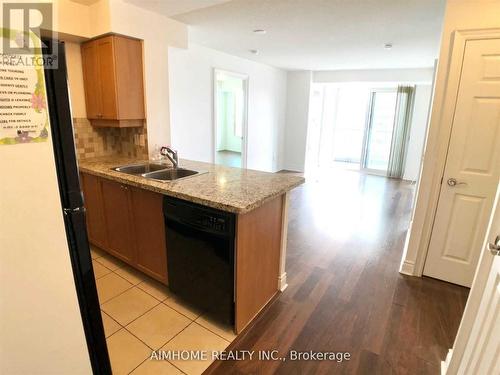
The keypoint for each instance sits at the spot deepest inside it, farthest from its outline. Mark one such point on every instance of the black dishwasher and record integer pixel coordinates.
(200, 256)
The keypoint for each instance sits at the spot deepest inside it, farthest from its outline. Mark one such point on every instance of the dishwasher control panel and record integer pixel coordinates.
(203, 217)
(212, 222)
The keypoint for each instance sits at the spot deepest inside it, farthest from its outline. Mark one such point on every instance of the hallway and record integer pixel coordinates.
(228, 158)
(346, 235)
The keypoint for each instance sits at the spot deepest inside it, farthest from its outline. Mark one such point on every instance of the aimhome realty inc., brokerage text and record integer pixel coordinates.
(243, 355)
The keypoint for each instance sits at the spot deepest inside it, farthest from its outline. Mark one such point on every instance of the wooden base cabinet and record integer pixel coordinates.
(115, 199)
(96, 225)
(127, 223)
(258, 247)
(149, 230)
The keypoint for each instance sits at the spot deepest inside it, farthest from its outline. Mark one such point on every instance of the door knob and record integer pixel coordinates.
(453, 182)
(494, 248)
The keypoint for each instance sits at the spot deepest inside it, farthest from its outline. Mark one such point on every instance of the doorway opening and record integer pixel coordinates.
(230, 118)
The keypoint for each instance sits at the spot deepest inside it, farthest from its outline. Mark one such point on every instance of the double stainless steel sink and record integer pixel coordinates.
(140, 168)
(157, 171)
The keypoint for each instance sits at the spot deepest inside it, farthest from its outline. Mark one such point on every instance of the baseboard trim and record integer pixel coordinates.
(293, 168)
(446, 362)
(407, 268)
(282, 282)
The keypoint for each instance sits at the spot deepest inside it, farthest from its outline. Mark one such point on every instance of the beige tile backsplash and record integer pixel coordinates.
(94, 142)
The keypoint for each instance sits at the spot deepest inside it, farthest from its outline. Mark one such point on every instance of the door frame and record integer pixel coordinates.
(455, 357)
(436, 150)
(368, 126)
(78, 244)
(244, 142)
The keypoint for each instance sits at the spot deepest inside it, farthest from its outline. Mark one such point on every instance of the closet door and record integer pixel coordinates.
(472, 168)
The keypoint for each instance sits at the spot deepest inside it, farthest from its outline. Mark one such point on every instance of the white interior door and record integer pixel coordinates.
(477, 348)
(482, 352)
(472, 168)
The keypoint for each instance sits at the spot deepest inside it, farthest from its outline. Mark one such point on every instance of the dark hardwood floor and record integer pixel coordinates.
(346, 235)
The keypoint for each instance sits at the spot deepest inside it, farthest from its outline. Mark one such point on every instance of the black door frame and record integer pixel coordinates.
(61, 127)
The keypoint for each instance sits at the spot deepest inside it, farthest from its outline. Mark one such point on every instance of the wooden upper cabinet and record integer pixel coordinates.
(113, 81)
(107, 79)
(91, 73)
(130, 85)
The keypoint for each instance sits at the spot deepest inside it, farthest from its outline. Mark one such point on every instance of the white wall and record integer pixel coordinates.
(375, 75)
(297, 116)
(75, 80)
(191, 105)
(100, 17)
(417, 132)
(82, 20)
(71, 18)
(158, 33)
(41, 328)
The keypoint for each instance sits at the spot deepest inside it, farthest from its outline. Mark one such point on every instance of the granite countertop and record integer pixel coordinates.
(229, 189)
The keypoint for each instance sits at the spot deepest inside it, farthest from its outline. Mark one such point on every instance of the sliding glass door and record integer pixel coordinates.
(358, 127)
(378, 133)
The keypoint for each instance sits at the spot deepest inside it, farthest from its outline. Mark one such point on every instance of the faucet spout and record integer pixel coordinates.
(171, 154)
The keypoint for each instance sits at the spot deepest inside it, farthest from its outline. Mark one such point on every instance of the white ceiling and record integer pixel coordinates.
(316, 34)
(172, 7)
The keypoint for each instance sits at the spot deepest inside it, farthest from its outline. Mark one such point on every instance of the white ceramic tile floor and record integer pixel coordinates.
(141, 315)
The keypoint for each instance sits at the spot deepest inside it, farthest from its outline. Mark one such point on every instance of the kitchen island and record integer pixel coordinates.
(125, 218)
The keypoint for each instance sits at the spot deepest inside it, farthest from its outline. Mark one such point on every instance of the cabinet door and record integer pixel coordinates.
(107, 83)
(91, 80)
(96, 225)
(116, 212)
(149, 229)
(129, 78)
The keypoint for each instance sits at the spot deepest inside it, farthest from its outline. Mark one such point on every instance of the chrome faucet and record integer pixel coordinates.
(171, 154)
